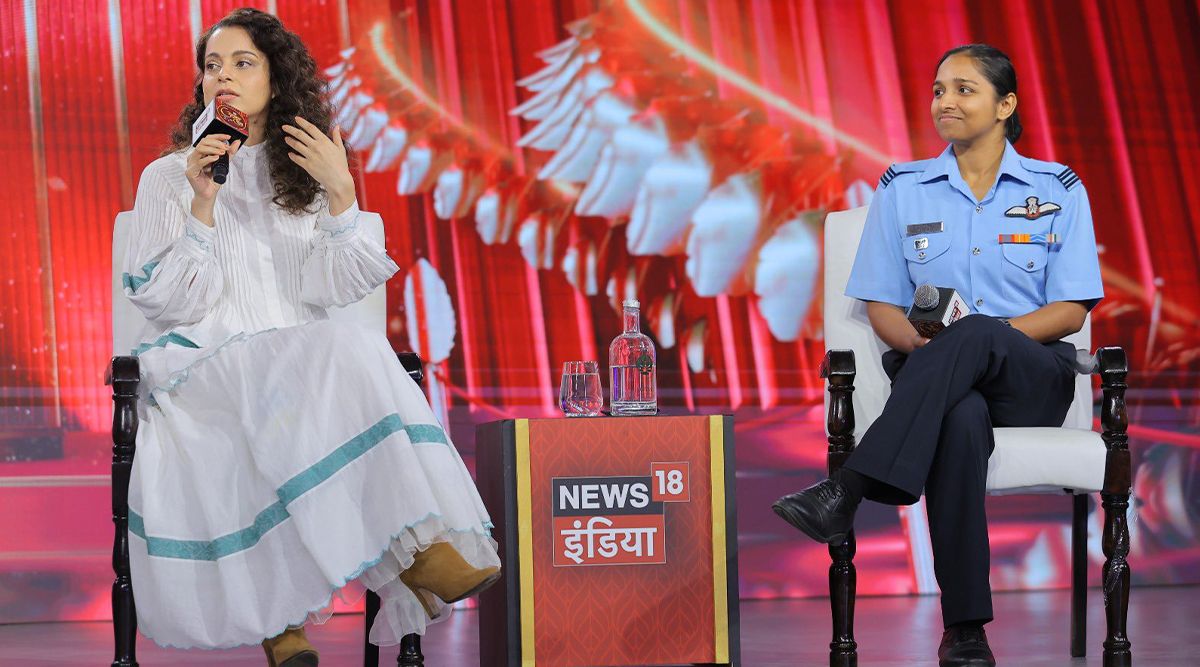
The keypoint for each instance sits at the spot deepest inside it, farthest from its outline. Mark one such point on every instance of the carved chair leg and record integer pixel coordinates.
(123, 376)
(1118, 481)
(843, 582)
(410, 652)
(1115, 579)
(838, 369)
(1079, 504)
(410, 645)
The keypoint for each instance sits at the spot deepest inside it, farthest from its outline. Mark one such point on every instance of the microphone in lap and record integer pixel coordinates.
(221, 118)
(935, 308)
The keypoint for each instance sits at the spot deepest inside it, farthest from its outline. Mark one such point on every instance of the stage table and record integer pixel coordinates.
(619, 541)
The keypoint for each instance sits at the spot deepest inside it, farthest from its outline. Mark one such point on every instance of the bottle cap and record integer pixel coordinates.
(631, 303)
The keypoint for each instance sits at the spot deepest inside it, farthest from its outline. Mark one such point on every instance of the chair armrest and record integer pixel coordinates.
(123, 375)
(121, 369)
(1110, 359)
(838, 369)
(838, 363)
(413, 364)
(125, 370)
(1114, 367)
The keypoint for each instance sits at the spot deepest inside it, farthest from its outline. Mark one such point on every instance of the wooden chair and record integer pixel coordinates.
(1071, 459)
(123, 375)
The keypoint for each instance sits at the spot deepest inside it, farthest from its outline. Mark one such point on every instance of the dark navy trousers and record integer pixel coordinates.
(935, 435)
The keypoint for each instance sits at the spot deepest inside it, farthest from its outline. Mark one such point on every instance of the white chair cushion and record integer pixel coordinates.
(370, 312)
(1046, 460)
(847, 327)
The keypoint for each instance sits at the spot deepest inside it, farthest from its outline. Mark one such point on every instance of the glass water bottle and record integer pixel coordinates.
(634, 375)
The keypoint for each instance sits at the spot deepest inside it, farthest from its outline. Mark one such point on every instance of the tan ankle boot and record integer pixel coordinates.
(290, 649)
(441, 570)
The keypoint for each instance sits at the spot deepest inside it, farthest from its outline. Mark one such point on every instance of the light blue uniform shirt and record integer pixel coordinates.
(925, 226)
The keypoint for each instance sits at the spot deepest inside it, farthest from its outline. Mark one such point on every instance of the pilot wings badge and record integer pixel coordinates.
(1032, 210)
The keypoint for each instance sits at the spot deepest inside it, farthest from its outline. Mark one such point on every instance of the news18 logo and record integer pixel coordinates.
(616, 520)
(956, 313)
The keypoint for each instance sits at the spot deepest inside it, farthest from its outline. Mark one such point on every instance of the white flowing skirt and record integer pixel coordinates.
(280, 467)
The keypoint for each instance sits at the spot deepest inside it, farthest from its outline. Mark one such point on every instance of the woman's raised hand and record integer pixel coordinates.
(324, 158)
(199, 173)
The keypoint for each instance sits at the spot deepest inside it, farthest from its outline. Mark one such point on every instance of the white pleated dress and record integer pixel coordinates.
(280, 456)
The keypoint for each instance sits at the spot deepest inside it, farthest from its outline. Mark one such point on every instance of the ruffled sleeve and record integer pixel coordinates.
(347, 263)
(171, 273)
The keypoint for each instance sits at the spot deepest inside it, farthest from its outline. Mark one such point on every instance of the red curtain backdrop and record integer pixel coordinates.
(1107, 87)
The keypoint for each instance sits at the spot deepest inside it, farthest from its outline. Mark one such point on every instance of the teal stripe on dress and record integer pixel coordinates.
(356, 447)
(421, 434)
(134, 283)
(136, 525)
(165, 340)
(210, 549)
(295, 487)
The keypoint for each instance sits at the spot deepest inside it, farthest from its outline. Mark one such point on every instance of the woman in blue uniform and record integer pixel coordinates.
(1014, 237)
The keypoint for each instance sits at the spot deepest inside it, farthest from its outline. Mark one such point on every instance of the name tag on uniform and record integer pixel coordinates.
(924, 228)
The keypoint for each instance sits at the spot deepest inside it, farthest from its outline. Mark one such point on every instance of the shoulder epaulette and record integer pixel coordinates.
(1067, 177)
(901, 168)
(1061, 172)
(887, 176)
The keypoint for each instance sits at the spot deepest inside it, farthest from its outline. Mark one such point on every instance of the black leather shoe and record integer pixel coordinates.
(965, 647)
(823, 511)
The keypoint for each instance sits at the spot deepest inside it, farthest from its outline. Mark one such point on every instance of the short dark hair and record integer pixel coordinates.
(297, 90)
(998, 69)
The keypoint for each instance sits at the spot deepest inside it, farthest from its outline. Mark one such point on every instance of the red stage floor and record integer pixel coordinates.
(1030, 631)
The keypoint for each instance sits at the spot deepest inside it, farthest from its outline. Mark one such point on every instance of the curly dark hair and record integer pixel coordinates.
(296, 90)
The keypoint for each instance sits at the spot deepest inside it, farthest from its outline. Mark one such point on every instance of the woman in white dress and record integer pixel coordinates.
(281, 455)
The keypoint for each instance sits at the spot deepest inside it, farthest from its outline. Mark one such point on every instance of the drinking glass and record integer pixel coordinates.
(580, 394)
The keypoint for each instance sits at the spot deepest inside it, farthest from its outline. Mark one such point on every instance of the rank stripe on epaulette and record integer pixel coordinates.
(887, 176)
(1048, 239)
(1068, 178)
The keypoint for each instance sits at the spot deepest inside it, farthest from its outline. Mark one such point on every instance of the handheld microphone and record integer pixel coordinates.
(935, 308)
(221, 118)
